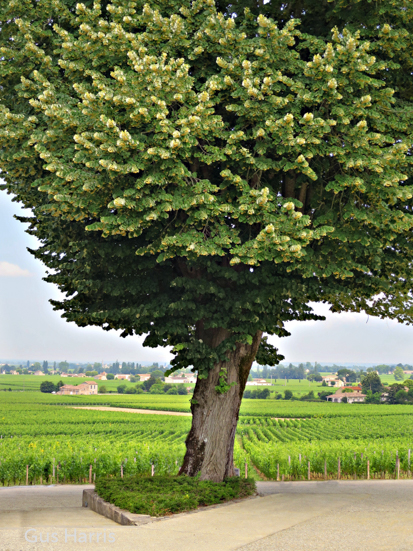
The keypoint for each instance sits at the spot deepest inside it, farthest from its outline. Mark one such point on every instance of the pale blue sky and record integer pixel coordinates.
(30, 329)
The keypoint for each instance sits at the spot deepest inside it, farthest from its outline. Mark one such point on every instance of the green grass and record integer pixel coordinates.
(32, 383)
(390, 380)
(160, 496)
(297, 388)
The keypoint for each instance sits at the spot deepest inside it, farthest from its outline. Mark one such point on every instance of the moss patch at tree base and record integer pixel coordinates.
(164, 495)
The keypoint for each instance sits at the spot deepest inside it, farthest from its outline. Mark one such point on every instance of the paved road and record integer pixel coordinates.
(378, 515)
(298, 516)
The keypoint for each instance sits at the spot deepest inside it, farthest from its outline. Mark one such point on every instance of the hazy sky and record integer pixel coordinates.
(30, 329)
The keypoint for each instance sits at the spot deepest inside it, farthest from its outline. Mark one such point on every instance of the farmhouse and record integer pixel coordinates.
(123, 377)
(144, 377)
(258, 382)
(182, 378)
(385, 396)
(89, 387)
(101, 377)
(333, 380)
(38, 373)
(356, 396)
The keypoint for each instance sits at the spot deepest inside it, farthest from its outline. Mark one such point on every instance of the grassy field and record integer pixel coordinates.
(61, 443)
(32, 383)
(389, 379)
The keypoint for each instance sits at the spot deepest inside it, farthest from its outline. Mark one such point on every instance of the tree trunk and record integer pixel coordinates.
(210, 442)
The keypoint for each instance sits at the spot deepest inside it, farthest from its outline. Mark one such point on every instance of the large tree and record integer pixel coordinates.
(398, 373)
(200, 173)
(371, 382)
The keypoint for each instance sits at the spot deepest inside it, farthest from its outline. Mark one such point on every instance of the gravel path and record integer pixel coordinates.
(291, 516)
(133, 410)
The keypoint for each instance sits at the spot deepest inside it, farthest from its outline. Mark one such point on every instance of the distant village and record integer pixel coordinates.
(345, 385)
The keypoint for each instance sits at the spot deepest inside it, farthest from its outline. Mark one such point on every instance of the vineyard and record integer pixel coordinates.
(256, 408)
(346, 447)
(62, 444)
(43, 439)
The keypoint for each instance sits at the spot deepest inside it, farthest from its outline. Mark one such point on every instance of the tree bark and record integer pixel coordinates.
(303, 196)
(210, 442)
(289, 185)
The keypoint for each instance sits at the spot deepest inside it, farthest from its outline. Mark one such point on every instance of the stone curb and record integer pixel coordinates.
(121, 516)
(95, 503)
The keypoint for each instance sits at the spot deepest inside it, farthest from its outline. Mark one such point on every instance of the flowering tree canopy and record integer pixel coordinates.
(199, 173)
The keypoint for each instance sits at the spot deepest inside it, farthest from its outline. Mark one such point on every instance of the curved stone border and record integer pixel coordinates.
(95, 503)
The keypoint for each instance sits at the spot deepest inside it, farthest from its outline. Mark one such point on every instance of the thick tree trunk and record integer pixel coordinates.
(210, 442)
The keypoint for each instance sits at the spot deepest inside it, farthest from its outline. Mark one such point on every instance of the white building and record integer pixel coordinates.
(186, 378)
(352, 397)
(258, 382)
(89, 387)
(122, 377)
(333, 380)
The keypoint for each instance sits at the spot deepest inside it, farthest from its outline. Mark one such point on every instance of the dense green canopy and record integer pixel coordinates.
(198, 163)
